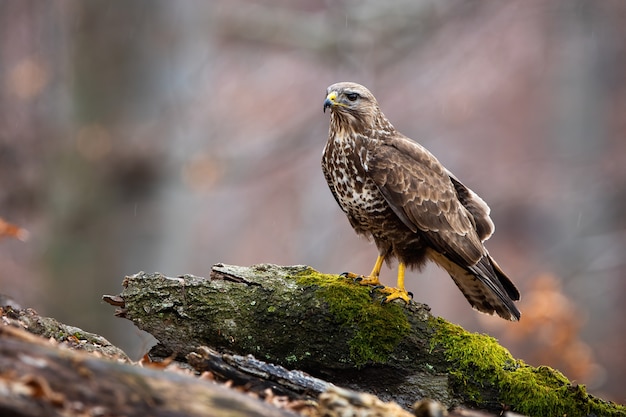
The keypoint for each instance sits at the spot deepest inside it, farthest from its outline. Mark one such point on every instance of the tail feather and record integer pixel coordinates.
(489, 274)
(508, 285)
(484, 285)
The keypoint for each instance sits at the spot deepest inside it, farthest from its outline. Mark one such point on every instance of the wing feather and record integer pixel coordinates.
(422, 194)
(476, 206)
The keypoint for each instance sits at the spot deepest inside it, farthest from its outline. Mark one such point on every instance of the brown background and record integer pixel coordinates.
(168, 136)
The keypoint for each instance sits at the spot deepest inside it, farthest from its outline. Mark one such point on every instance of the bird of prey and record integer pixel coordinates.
(396, 192)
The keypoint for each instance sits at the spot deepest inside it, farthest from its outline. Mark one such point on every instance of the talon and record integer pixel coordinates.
(371, 280)
(350, 275)
(396, 293)
(378, 287)
(399, 292)
(410, 294)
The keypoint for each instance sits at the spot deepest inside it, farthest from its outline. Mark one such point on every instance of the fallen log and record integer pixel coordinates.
(39, 378)
(334, 329)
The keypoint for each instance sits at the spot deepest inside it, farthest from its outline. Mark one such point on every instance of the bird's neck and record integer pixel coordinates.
(378, 127)
(382, 127)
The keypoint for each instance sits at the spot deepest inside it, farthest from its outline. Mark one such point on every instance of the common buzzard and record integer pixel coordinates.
(395, 191)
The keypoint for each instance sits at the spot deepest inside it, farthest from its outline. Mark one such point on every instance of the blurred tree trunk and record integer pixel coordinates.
(97, 182)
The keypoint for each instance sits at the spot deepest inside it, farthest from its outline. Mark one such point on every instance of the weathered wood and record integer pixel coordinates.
(339, 331)
(27, 318)
(42, 379)
(33, 385)
(265, 312)
(257, 376)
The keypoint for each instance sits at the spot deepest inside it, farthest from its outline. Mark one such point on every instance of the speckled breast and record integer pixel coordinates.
(357, 195)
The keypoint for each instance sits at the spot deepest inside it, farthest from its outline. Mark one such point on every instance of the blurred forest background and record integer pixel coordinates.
(169, 136)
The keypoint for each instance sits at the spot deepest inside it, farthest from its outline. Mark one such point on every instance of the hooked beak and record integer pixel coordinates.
(330, 100)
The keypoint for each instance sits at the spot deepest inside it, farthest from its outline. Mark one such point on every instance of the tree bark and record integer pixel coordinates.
(43, 379)
(341, 332)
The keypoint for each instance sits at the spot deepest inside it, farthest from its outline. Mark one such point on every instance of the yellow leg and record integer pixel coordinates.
(401, 270)
(377, 266)
(398, 292)
(372, 278)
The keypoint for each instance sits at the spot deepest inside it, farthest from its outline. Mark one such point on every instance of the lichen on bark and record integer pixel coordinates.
(333, 328)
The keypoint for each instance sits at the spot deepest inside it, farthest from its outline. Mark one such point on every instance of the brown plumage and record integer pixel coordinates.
(394, 191)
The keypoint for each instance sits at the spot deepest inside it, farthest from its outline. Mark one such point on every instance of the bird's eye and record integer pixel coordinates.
(352, 96)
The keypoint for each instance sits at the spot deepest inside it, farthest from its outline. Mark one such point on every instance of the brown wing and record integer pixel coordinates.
(426, 197)
(477, 208)
(421, 193)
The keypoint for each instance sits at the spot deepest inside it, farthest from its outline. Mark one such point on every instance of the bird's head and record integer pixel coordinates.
(352, 104)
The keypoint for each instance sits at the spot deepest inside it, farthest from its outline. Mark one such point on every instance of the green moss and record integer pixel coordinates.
(291, 359)
(480, 364)
(377, 328)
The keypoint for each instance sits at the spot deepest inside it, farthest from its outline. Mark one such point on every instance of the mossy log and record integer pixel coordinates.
(340, 331)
